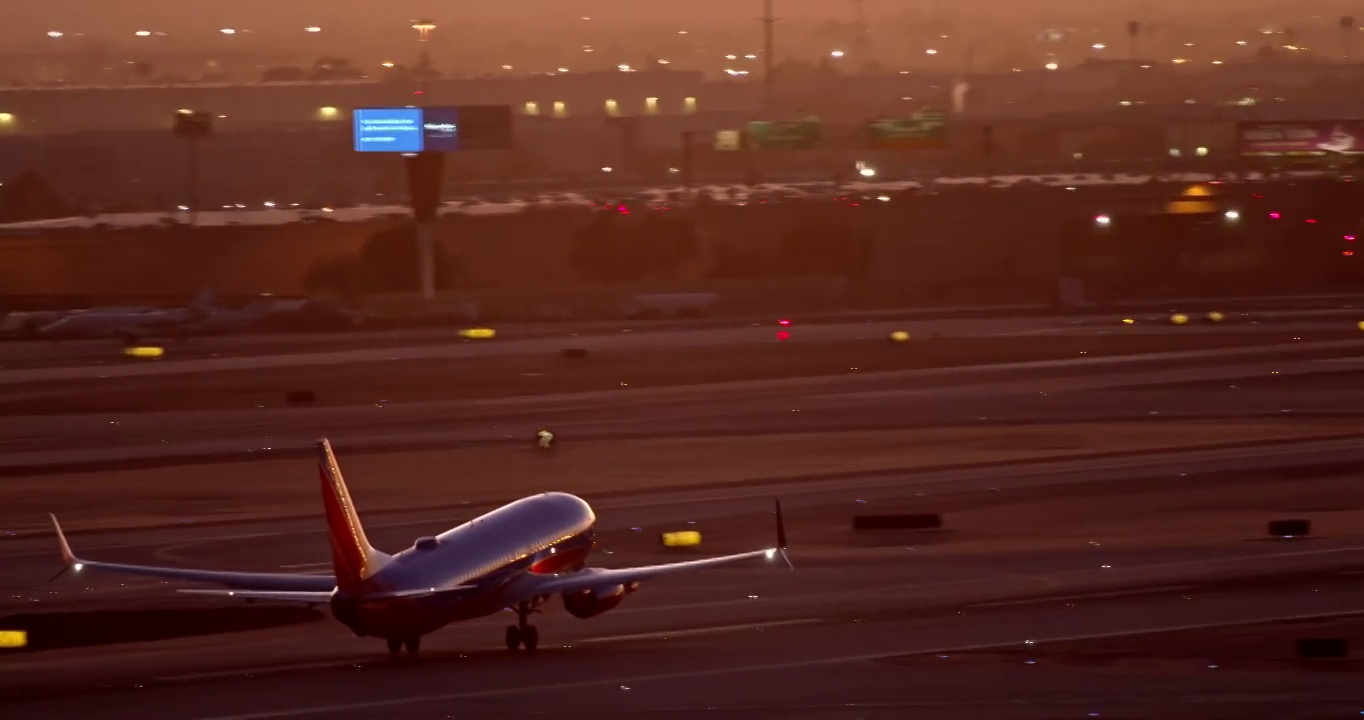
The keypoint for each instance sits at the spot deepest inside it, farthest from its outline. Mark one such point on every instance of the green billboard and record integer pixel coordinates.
(924, 130)
(784, 135)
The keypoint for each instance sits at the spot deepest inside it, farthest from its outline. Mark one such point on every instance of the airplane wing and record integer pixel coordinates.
(531, 585)
(262, 582)
(313, 598)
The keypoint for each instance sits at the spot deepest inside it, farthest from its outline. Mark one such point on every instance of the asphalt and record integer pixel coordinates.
(1054, 552)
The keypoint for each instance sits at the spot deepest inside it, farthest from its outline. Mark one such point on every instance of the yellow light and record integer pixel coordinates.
(689, 104)
(148, 353)
(1052, 65)
(899, 336)
(328, 113)
(1215, 316)
(185, 111)
(1361, 325)
(651, 105)
(685, 538)
(532, 107)
(1179, 318)
(612, 108)
(13, 638)
(560, 109)
(6, 118)
(1128, 321)
(388, 64)
(478, 333)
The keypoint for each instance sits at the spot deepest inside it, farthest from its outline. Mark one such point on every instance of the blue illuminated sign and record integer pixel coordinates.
(389, 130)
(433, 129)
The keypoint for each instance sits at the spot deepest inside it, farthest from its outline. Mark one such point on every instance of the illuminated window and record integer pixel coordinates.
(651, 105)
(560, 109)
(612, 108)
(532, 107)
(689, 104)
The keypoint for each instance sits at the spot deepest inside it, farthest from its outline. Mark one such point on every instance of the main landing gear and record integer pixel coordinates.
(522, 633)
(396, 645)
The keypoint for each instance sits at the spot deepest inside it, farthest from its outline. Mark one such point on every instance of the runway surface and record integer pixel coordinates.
(887, 626)
(847, 612)
(1051, 391)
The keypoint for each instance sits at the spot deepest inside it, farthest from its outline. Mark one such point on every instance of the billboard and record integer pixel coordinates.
(785, 135)
(924, 130)
(432, 129)
(1301, 139)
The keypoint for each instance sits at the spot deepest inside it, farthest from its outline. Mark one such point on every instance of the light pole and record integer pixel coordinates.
(423, 180)
(768, 21)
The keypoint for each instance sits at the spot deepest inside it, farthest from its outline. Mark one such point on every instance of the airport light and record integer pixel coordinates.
(931, 51)
(6, 119)
(328, 113)
(1232, 215)
(312, 29)
(143, 33)
(837, 54)
(228, 31)
(1052, 65)
(1103, 220)
(55, 33)
(424, 28)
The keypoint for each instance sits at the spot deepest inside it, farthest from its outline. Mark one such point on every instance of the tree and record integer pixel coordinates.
(31, 197)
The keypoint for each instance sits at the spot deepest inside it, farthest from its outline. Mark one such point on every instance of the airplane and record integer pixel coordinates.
(516, 557)
(128, 323)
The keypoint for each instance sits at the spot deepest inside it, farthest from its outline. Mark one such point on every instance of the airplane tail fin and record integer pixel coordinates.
(353, 558)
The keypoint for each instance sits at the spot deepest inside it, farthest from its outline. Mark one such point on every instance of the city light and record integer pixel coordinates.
(1103, 220)
(836, 53)
(55, 33)
(328, 113)
(143, 33)
(388, 64)
(1098, 46)
(930, 51)
(623, 67)
(1232, 215)
(1052, 65)
(664, 61)
(312, 29)
(6, 119)
(228, 31)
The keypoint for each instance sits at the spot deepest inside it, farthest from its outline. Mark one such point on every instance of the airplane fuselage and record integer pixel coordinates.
(469, 568)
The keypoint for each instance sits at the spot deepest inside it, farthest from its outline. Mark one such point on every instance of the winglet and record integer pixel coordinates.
(781, 538)
(781, 528)
(68, 557)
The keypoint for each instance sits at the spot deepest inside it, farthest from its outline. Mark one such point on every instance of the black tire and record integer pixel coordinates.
(513, 638)
(531, 638)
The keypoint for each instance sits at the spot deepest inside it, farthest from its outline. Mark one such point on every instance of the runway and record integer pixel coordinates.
(1044, 391)
(1055, 550)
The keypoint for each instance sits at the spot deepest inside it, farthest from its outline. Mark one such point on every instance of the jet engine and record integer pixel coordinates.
(589, 603)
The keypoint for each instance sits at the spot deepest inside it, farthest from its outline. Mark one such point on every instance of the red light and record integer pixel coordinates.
(418, 92)
(623, 210)
(1349, 238)
(782, 335)
(1311, 221)
(1274, 216)
(1347, 253)
(784, 323)
(1257, 196)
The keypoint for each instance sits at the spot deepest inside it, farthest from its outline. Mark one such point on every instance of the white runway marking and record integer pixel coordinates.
(668, 634)
(766, 667)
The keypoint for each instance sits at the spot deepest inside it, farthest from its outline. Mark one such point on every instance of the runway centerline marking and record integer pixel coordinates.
(689, 632)
(764, 667)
